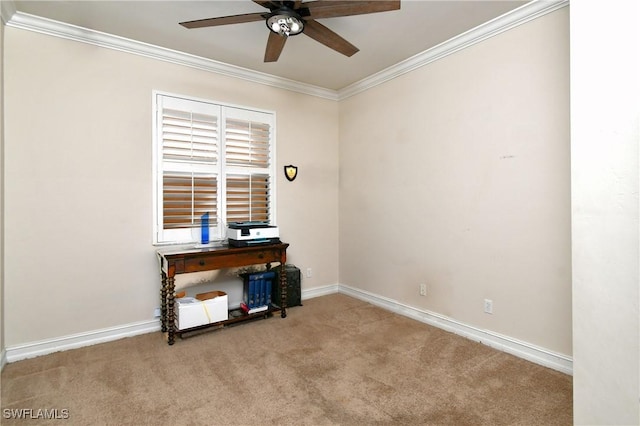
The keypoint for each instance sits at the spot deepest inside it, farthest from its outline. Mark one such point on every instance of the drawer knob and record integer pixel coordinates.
(201, 262)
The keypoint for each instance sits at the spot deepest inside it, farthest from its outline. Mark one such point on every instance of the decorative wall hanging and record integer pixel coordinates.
(290, 172)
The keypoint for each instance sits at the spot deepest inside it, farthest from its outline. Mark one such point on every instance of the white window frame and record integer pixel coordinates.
(217, 233)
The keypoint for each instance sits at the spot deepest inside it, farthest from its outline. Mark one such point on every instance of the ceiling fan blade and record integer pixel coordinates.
(224, 20)
(331, 9)
(324, 35)
(275, 44)
(268, 4)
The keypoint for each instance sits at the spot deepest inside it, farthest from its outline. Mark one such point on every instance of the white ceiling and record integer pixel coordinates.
(384, 39)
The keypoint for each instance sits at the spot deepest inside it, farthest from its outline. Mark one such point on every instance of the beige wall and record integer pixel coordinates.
(78, 198)
(457, 175)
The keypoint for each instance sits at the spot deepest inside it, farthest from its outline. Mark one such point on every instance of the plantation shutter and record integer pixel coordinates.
(211, 159)
(248, 166)
(247, 143)
(189, 154)
(247, 198)
(187, 196)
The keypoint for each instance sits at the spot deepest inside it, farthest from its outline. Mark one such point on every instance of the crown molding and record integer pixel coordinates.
(505, 22)
(72, 32)
(482, 32)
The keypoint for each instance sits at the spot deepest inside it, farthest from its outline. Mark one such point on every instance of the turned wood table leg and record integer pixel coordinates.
(171, 316)
(283, 290)
(163, 303)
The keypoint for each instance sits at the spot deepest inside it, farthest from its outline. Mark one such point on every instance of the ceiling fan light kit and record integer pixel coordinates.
(285, 22)
(288, 18)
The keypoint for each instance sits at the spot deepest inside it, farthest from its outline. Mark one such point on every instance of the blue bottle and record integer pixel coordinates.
(204, 228)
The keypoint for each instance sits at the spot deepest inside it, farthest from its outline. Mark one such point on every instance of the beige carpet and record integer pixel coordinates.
(334, 361)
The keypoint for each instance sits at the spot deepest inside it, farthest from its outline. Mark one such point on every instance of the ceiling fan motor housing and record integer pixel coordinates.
(285, 21)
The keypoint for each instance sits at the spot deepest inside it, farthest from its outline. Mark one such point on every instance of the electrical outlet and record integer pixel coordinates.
(488, 306)
(309, 273)
(423, 289)
(156, 313)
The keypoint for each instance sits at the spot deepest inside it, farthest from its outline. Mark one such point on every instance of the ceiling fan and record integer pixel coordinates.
(289, 18)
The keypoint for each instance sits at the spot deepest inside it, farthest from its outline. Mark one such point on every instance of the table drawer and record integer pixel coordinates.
(228, 260)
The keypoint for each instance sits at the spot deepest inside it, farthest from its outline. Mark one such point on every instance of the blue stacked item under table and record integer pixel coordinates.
(257, 294)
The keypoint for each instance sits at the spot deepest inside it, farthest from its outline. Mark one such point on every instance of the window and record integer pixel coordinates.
(210, 158)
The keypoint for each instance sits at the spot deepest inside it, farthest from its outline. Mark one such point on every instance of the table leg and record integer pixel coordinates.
(283, 290)
(171, 317)
(163, 303)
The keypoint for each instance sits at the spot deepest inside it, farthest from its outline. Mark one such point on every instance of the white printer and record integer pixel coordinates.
(243, 234)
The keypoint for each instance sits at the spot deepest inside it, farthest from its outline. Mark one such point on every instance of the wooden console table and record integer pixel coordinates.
(181, 261)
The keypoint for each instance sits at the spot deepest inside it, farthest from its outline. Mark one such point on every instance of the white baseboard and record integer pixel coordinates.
(506, 344)
(319, 291)
(43, 347)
